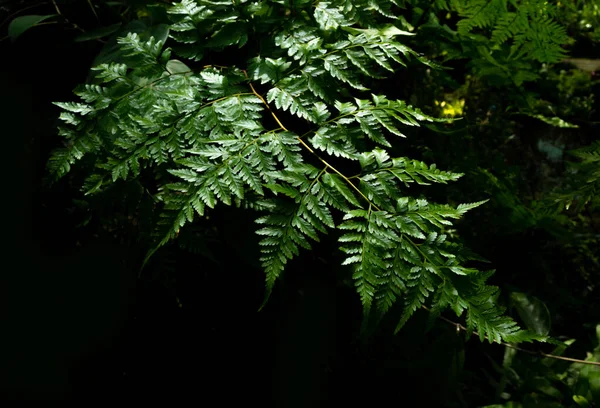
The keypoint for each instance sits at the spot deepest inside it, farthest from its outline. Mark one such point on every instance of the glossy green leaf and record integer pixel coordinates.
(177, 67)
(581, 401)
(98, 33)
(23, 23)
(533, 312)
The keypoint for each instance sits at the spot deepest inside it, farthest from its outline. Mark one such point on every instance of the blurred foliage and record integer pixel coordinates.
(528, 138)
(582, 17)
(528, 382)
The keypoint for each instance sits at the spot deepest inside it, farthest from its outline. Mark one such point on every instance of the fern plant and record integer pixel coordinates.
(505, 41)
(277, 131)
(530, 25)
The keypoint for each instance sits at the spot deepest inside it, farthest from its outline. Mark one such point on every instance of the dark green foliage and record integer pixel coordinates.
(321, 122)
(532, 381)
(529, 24)
(585, 182)
(200, 134)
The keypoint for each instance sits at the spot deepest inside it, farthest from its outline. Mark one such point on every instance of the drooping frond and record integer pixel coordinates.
(529, 25)
(214, 135)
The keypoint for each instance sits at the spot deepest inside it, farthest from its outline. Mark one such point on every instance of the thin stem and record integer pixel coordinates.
(56, 8)
(303, 143)
(339, 173)
(259, 96)
(460, 327)
(66, 19)
(75, 26)
(89, 2)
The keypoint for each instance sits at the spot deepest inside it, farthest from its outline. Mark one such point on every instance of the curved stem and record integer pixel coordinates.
(310, 149)
(460, 327)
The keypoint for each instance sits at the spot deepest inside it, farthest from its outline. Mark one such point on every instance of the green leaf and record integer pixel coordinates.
(23, 23)
(329, 18)
(341, 186)
(177, 67)
(581, 401)
(533, 312)
(112, 52)
(388, 31)
(463, 208)
(554, 121)
(594, 381)
(98, 33)
(267, 69)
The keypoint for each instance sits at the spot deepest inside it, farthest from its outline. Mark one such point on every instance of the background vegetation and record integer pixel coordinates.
(83, 325)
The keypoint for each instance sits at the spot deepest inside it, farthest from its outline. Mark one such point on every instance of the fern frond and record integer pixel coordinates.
(329, 17)
(479, 14)
(287, 229)
(420, 286)
(530, 24)
(200, 136)
(292, 94)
